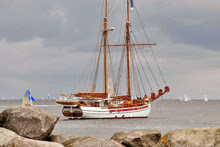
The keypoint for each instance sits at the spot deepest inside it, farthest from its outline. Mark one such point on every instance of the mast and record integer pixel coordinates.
(105, 45)
(127, 40)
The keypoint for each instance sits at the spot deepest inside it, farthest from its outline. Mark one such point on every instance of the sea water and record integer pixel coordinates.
(165, 116)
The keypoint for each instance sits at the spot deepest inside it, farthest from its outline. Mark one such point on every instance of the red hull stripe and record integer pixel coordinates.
(130, 109)
(126, 117)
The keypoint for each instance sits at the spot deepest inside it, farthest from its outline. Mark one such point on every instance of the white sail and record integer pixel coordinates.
(26, 100)
(186, 99)
(205, 98)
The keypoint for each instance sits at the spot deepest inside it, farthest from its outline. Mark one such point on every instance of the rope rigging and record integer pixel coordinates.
(136, 85)
(146, 61)
(144, 70)
(139, 73)
(120, 70)
(111, 65)
(96, 71)
(150, 46)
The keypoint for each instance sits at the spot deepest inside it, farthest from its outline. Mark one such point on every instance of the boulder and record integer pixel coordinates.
(28, 122)
(91, 142)
(6, 136)
(61, 138)
(10, 138)
(137, 138)
(207, 137)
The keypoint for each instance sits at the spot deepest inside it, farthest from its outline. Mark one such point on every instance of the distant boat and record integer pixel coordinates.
(27, 99)
(205, 98)
(185, 99)
(48, 97)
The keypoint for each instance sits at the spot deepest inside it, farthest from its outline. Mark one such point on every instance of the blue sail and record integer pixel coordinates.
(27, 92)
(29, 95)
(32, 98)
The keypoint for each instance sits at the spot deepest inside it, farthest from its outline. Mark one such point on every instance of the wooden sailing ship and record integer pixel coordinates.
(109, 103)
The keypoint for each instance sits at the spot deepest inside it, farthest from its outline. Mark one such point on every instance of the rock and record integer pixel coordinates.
(10, 138)
(21, 142)
(6, 136)
(70, 142)
(137, 138)
(28, 122)
(206, 137)
(61, 138)
(92, 142)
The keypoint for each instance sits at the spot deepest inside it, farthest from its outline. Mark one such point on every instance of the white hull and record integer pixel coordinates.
(131, 112)
(117, 113)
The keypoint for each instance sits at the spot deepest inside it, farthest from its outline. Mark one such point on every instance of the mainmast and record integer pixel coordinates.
(127, 40)
(105, 32)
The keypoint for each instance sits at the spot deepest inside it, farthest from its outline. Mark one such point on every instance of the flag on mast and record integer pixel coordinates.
(29, 95)
(132, 5)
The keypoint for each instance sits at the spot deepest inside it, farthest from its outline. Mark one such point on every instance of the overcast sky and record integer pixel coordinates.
(43, 43)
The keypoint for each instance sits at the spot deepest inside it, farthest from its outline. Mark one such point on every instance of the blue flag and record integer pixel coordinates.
(32, 98)
(27, 92)
(29, 95)
(132, 5)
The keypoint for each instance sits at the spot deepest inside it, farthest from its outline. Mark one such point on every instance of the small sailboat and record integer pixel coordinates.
(48, 97)
(186, 98)
(205, 98)
(27, 99)
(119, 89)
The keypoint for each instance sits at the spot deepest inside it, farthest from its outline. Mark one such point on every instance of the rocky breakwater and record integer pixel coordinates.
(28, 124)
(202, 137)
(137, 138)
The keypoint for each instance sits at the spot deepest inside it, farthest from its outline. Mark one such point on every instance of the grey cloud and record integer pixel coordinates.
(47, 43)
(195, 23)
(204, 35)
(25, 20)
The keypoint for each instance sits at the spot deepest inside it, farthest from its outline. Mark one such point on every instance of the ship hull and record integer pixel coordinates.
(130, 112)
(87, 112)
